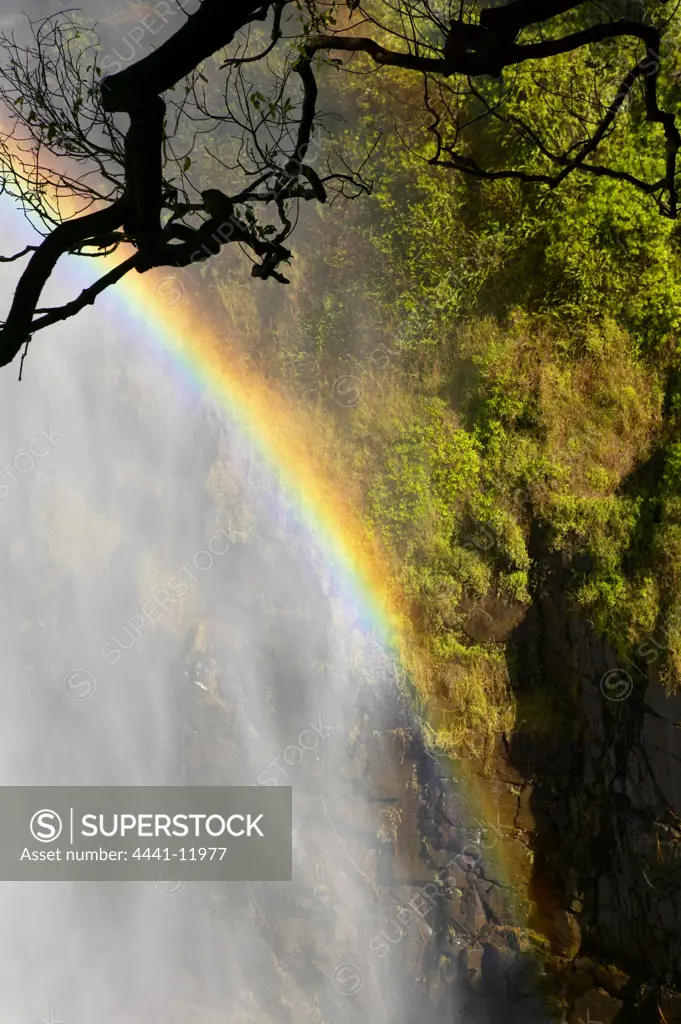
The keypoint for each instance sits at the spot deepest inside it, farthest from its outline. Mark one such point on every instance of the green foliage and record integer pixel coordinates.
(530, 387)
(426, 469)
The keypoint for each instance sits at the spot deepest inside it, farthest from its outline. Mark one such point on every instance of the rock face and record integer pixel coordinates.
(579, 848)
(541, 886)
(606, 804)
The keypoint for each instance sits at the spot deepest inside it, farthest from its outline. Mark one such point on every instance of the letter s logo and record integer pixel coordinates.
(45, 826)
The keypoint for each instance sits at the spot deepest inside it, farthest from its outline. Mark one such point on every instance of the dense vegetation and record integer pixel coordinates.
(501, 363)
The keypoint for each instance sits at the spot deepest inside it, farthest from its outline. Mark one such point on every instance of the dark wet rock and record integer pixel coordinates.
(578, 978)
(564, 933)
(496, 904)
(670, 1008)
(507, 971)
(582, 844)
(471, 968)
(596, 1006)
(475, 917)
(456, 876)
(496, 961)
(524, 819)
(609, 977)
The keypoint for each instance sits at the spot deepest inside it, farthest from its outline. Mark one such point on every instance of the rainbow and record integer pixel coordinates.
(286, 445)
(282, 441)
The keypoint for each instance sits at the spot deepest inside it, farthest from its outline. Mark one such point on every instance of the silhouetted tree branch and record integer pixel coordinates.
(122, 147)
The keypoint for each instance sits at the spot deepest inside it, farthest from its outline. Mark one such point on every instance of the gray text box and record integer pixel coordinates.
(140, 833)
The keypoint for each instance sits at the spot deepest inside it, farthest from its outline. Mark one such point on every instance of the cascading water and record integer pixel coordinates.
(169, 618)
(253, 669)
